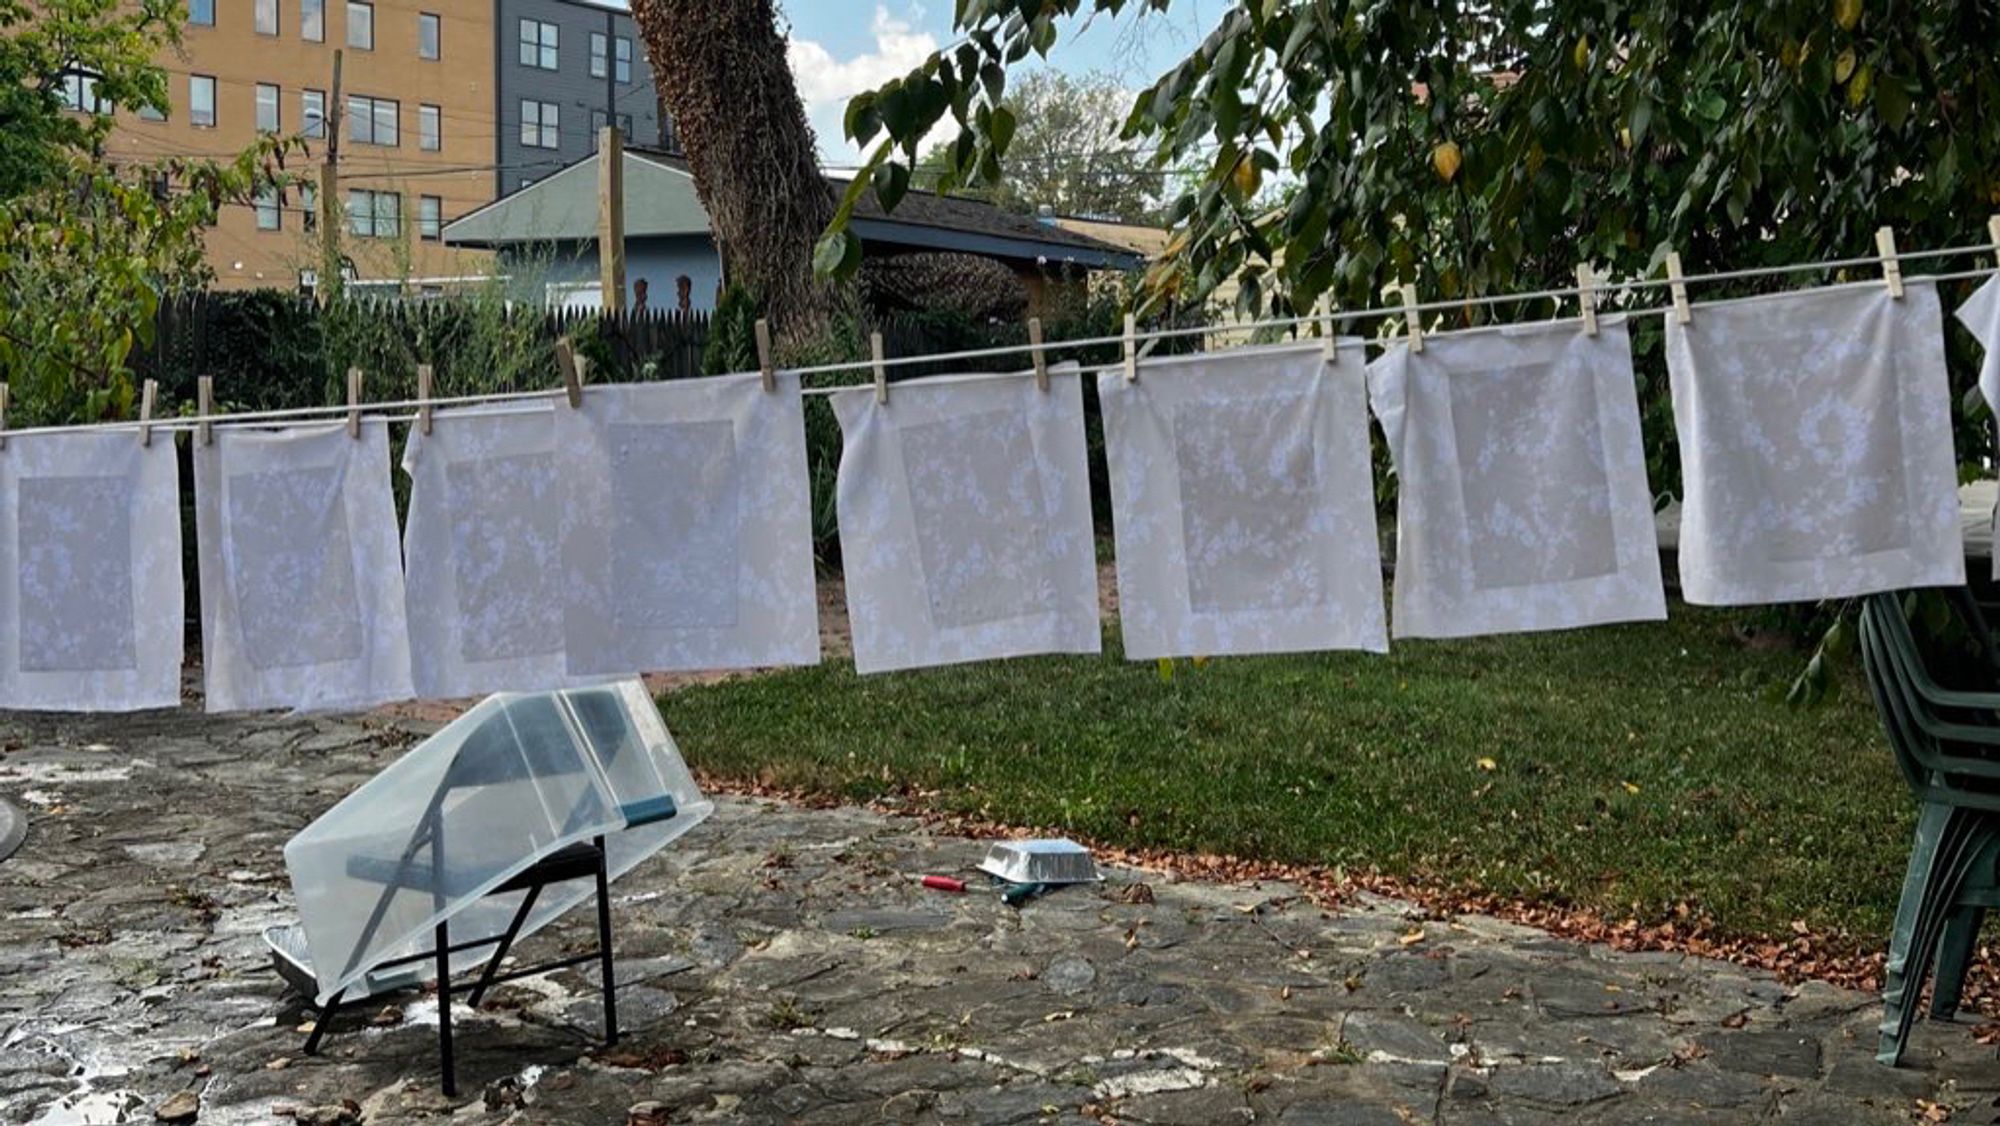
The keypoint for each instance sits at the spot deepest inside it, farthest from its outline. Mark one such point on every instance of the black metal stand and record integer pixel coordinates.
(575, 862)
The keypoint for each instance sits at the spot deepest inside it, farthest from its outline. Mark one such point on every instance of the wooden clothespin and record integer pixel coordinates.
(572, 372)
(1677, 285)
(1892, 269)
(147, 393)
(424, 397)
(204, 406)
(3, 416)
(1413, 324)
(881, 371)
(1329, 345)
(1131, 348)
(1993, 235)
(1586, 297)
(764, 355)
(1035, 350)
(354, 402)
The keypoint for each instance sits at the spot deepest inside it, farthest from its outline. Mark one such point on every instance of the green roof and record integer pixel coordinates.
(659, 200)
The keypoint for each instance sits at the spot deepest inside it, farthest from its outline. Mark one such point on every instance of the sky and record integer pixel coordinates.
(842, 47)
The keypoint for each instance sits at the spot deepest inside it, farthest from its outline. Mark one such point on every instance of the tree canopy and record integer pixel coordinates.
(1068, 152)
(1478, 147)
(92, 247)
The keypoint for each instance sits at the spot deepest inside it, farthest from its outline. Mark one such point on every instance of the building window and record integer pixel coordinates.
(538, 44)
(538, 124)
(624, 59)
(152, 113)
(312, 114)
(201, 13)
(312, 20)
(267, 108)
(270, 216)
(372, 121)
(308, 207)
(429, 137)
(265, 16)
(79, 93)
(597, 123)
(597, 54)
(374, 214)
(360, 25)
(430, 36)
(430, 218)
(201, 101)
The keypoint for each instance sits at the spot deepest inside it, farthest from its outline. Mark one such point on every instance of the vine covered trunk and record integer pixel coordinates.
(725, 80)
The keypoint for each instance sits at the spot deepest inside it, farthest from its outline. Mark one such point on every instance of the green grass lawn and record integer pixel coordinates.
(1632, 767)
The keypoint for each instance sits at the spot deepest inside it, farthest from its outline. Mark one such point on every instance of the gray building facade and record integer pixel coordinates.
(563, 69)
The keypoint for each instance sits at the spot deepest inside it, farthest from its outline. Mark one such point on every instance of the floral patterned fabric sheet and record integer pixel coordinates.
(483, 561)
(90, 542)
(301, 569)
(1521, 481)
(965, 533)
(685, 527)
(1243, 503)
(1816, 448)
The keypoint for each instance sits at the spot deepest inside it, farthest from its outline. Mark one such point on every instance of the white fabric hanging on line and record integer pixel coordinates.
(965, 527)
(1521, 481)
(484, 563)
(1816, 449)
(301, 569)
(1243, 503)
(686, 527)
(1981, 316)
(90, 544)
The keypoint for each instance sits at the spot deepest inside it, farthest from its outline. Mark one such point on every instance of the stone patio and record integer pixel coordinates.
(782, 964)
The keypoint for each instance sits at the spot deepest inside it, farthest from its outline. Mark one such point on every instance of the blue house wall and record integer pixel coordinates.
(659, 259)
(582, 101)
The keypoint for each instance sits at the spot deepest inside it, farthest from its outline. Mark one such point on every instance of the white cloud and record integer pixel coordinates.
(827, 83)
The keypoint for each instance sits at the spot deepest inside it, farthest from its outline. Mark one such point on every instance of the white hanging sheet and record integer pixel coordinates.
(1243, 503)
(1981, 316)
(965, 527)
(1521, 481)
(686, 527)
(301, 569)
(484, 562)
(90, 544)
(1816, 449)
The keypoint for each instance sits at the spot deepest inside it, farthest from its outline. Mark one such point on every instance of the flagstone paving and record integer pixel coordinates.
(782, 964)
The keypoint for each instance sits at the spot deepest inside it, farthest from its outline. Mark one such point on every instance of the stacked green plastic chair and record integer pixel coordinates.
(1947, 742)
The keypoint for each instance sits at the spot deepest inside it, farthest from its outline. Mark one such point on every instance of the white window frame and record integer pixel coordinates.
(196, 84)
(538, 44)
(312, 114)
(364, 27)
(270, 101)
(541, 124)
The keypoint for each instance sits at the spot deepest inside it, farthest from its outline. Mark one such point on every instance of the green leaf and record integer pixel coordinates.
(892, 180)
(863, 121)
(837, 254)
(1000, 130)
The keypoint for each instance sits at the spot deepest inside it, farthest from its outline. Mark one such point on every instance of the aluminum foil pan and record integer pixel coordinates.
(1040, 862)
(293, 963)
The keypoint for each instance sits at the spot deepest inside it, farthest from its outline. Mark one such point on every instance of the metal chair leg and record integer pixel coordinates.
(447, 1063)
(506, 943)
(321, 1021)
(604, 945)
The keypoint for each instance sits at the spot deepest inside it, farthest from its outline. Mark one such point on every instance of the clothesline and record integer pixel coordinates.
(1607, 290)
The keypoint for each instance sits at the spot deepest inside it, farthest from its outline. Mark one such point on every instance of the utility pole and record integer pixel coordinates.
(330, 211)
(611, 219)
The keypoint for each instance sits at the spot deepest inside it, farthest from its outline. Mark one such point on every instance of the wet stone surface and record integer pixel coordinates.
(781, 965)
